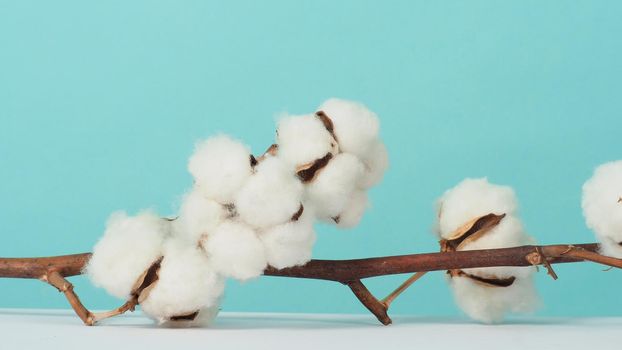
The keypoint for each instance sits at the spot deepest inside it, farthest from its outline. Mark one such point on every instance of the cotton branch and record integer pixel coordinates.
(53, 270)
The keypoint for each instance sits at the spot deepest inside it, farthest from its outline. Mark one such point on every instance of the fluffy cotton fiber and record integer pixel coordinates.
(602, 207)
(354, 209)
(470, 199)
(303, 139)
(198, 216)
(355, 126)
(235, 251)
(331, 189)
(186, 283)
(490, 304)
(271, 195)
(129, 246)
(220, 166)
(376, 163)
(290, 244)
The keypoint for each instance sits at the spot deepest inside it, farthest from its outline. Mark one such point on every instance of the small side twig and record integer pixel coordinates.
(370, 302)
(59, 282)
(399, 290)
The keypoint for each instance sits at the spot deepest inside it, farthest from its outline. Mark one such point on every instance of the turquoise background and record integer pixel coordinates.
(101, 103)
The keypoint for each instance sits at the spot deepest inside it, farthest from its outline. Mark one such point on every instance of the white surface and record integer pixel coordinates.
(51, 329)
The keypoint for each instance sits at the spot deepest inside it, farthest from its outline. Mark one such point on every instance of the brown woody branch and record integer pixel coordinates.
(349, 272)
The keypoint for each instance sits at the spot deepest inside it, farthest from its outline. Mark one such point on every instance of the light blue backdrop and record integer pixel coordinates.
(101, 103)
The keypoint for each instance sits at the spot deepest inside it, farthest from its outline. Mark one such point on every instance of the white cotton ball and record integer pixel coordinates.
(303, 139)
(235, 250)
(376, 163)
(220, 165)
(186, 283)
(129, 246)
(355, 126)
(198, 216)
(290, 244)
(332, 187)
(490, 304)
(204, 318)
(352, 213)
(270, 196)
(470, 199)
(602, 207)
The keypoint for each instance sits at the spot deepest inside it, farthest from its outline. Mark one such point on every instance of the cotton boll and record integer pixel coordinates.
(491, 304)
(129, 246)
(355, 126)
(271, 196)
(220, 166)
(354, 210)
(470, 199)
(330, 190)
(290, 244)
(235, 251)
(198, 216)
(186, 283)
(303, 139)
(376, 163)
(602, 206)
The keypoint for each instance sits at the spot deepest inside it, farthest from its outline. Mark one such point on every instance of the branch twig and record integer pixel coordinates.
(53, 270)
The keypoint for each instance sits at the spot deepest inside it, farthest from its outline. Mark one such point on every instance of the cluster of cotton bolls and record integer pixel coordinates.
(486, 294)
(602, 207)
(338, 155)
(243, 213)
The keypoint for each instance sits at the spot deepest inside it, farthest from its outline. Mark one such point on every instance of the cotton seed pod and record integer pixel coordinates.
(487, 294)
(186, 283)
(332, 186)
(473, 198)
(353, 211)
(376, 163)
(116, 262)
(220, 166)
(198, 216)
(271, 195)
(290, 244)
(355, 127)
(235, 250)
(303, 139)
(602, 207)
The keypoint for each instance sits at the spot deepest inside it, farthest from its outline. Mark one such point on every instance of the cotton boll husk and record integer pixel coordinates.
(235, 250)
(602, 206)
(290, 244)
(330, 190)
(470, 199)
(187, 282)
(303, 139)
(129, 246)
(491, 304)
(198, 216)
(376, 163)
(355, 126)
(271, 196)
(220, 166)
(351, 215)
(204, 318)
